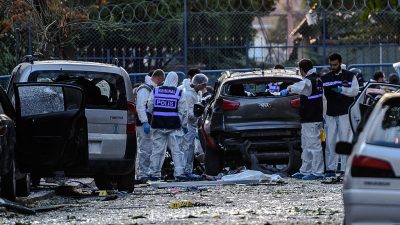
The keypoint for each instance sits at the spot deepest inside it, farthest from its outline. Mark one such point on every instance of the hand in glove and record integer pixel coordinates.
(337, 89)
(284, 92)
(146, 128)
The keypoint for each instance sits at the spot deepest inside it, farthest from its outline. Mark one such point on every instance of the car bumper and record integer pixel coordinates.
(371, 206)
(110, 166)
(266, 151)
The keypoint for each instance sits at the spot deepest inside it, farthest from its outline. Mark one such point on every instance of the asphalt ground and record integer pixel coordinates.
(290, 202)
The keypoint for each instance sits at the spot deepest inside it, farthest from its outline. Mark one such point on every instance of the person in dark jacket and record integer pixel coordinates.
(340, 88)
(310, 90)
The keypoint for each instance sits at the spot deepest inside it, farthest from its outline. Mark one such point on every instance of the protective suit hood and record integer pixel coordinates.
(171, 80)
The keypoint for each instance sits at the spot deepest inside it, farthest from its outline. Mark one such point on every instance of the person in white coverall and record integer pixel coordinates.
(186, 86)
(166, 105)
(311, 117)
(192, 97)
(340, 88)
(144, 143)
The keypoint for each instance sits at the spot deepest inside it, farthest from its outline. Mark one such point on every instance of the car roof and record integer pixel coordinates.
(71, 62)
(69, 65)
(227, 75)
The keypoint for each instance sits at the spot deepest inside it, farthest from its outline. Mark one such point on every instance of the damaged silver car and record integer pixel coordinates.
(248, 123)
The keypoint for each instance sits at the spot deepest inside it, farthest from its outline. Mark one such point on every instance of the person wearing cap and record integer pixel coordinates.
(144, 143)
(184, 87)
(200, 86)
(198, 83)
(167, 106)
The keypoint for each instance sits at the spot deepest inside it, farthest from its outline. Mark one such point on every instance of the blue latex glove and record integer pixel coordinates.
(284, 92)
(337, 89)
(146, 128)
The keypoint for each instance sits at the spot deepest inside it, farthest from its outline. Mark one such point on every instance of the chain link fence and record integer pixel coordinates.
(210, 34)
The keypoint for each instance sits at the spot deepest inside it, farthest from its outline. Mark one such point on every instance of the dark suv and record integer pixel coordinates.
(248, 123)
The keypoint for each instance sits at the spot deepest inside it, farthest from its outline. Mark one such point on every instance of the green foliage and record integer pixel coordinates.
(7, 58)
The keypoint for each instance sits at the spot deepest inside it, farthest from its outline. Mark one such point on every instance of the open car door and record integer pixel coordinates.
(51, 127)
(359, 111)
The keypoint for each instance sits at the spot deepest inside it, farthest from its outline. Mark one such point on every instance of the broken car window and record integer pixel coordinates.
(40, 100)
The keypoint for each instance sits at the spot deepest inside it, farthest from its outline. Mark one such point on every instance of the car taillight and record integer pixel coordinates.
(295, 103)
(131, 127)
(365, 166)
(230, 105)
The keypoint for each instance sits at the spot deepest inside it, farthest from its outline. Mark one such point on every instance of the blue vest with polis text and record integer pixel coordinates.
(311, 106)
(165, 111)
(337, 104)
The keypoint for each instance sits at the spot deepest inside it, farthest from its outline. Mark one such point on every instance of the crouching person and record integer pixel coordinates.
(167, 107)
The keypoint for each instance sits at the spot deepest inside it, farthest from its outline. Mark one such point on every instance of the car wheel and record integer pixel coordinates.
(103, 182)
(23, 186)
(213, 161)
(126, 182)
(294, 163)
(8, 186)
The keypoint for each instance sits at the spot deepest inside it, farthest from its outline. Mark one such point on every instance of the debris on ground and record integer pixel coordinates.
(249, 177)
(333, 180)
(183, 204)
(12, 206)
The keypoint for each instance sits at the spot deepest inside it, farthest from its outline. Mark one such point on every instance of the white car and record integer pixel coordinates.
(371, 191)
(109, 110)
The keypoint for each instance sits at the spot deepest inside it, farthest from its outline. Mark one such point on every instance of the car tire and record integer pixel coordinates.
(294, 163)
(8, 184)
(213, 161)
(126, 182)
(103, 182)
(23, 186)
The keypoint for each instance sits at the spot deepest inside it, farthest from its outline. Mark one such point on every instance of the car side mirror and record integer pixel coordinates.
(343, 148)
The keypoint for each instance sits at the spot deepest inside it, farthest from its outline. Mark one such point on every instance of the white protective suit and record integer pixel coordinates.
(184, 87)
(144, 143)
(338, 129)
(188, 143)
(163, 138)
(312, 155)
